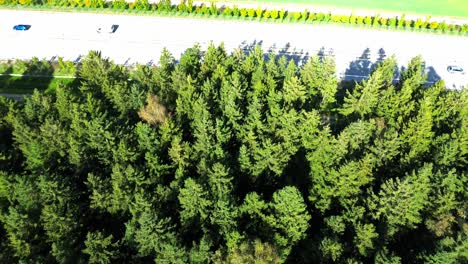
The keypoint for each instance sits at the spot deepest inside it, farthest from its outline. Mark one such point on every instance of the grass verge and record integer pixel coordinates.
(451, 8)
(26, 85)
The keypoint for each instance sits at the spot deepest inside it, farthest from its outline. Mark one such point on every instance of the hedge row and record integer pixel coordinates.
(184, 7)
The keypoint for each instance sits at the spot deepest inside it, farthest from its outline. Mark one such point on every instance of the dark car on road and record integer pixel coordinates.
(455, 69)
(108, 29)
(21, 27)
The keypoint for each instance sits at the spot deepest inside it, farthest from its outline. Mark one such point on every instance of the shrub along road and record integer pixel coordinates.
(141, 39)
(448, 13)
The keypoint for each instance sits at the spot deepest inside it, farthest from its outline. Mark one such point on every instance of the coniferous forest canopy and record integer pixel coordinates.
(235, 158)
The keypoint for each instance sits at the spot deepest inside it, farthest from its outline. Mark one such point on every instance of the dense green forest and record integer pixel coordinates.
(235, 158)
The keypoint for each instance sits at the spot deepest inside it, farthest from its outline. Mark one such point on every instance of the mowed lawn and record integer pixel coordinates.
(452, 8)
(26, 85)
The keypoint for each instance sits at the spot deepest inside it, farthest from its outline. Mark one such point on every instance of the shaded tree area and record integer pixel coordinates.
(235, 158)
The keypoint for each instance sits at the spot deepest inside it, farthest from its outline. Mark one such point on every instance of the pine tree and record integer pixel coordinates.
(100, 248)
(289, 218)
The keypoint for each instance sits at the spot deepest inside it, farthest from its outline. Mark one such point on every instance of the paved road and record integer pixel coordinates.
(141, 39)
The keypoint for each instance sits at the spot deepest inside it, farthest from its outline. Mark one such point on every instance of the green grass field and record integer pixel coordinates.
(452, 8)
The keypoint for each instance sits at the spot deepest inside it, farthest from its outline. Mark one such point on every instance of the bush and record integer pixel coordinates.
(392, 22)
(119, 4)
(426, 23)
(383, 21)
(142, 5)
(204, 10)
(243, 12)
(320, 16)
(282, 14)
(296, 15)
(401, 21)
(442, 26)
(189, 6)
(251, 12)
(182, 7)
(450, 28)
(368, 20)
(408, 23)
(258, 12)
(464, 28)
(327, 17)
(227, 11)
(418, 23)
(100, 3)
(164, 5)
(360, 20)
(312, 17)
(304, 14)
(375, 20)
(433, 25)
(28, 2)
(336, 18)
(72, 3)
(274, 14)
(235, 11)
(80, 3)
(266, 14)
(344, 19)
(352, 19)
(213, 9)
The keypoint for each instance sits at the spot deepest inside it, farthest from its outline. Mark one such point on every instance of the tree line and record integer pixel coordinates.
(259, 14)
(235, 158)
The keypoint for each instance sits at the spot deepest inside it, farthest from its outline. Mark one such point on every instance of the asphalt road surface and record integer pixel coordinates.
(140, 39)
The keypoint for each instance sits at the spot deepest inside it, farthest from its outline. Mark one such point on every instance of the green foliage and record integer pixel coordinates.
(360, 20)
(365, 234)
(400, 202)
(258, 12)
(243, 12)
(250, 252)
(99, 248)
(211, 158)
(194, 201)
(383, 21)
(282, 14)
(227, 11)
(142, 5)
(289, 217)
(188, 7)
(365, 97)
(367, 20)
(213, 9)
(401, 21)
(274, 14)
(331, 248)
(251, 12)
